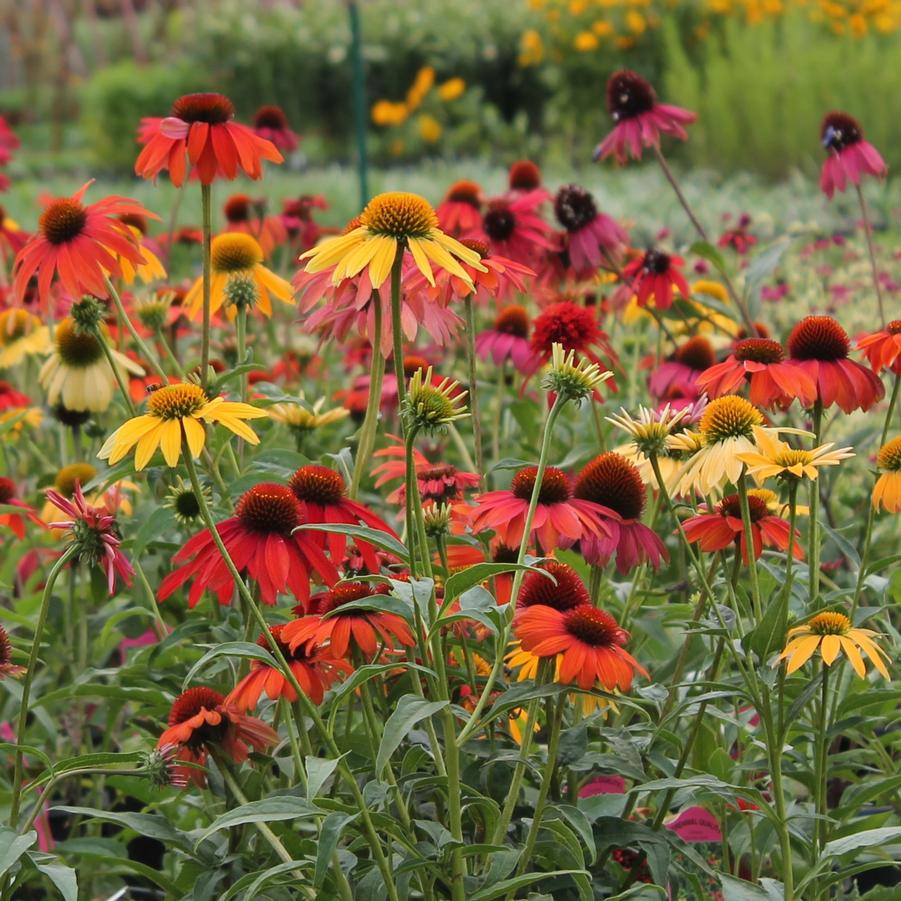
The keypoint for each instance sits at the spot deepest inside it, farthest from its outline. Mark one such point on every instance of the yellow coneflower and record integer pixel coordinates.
(832, 634)
(887, 490)
(301, 418)
(392, 223)
(235, 255)
(148, 271)
(21, 334)
(173, 412)
(774, 457)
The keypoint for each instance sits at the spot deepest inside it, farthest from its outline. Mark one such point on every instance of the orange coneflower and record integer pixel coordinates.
(200, 130)
(81, 244)
(883, 348)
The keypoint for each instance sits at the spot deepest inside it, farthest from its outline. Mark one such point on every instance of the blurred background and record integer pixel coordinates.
(469, 84)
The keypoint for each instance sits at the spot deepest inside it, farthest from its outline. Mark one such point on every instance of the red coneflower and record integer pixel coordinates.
(244, 213)
(590, 235)
(508, 339)
(79, 243)
(575, 328)
(8, 669)
(271, 124)
(849, 155)
(200, 130)
(724, 527)
(461, 210)
(12, 238)
(15, 521)
(678, 375)
(260, 539)
(355, 629)
(615, 484)
(513, 227)
(95, 534)
(883, 348)
(589, 642)
(654, 276)
(560, 519)
(761, 362)
(315, 672)
(564, 592)
(819, 346)
(322, 495)
(200, 720)
(638, 118)
(523, 177)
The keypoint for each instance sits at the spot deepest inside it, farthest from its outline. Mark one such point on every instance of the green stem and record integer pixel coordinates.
(366, 441)
(117, 373)
(397, 335)
(473, 389)
(146, 352)
(28, 680)
(206, 204)
(871, 251)
(813, 555)
(749, 546)
(820, 766)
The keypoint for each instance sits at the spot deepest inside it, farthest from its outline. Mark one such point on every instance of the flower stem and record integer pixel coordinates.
(28, 679)
(473, 389)
(813, 555)
(117, 372)
(366, 441)
(871, 250)
(146, 352)
(397, 336)
(820, 764)
(206, 203)
(747, 528)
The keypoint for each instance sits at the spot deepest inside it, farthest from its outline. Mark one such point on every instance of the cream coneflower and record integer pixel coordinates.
(887, 490)
(775, 457)
(235, 255)
(391, 223)
(299, 417)
(174, 412)
(77, 372)
(21, 335)
(832, 634)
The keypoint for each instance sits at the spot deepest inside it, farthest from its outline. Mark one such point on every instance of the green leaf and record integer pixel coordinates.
(374, 536)
(707, 251)
(329, 834)
(739, 890)
(266, 810)
(364, 674)
(771, 629)
(228, 649)
(319, 769)
(62, 876)
(408, 711)
(480, 572)
(158, 523)
(13, 846)
(866, 839)
(384, 602)
(143, 823)
(509, 886)
(640, 893)
(579, 822)
(253, 882)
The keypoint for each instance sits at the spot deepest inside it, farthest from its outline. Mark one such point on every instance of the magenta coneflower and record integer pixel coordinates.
(508, 339)
(654, 276)
(461, 210)
(677, 376)
(615, 484)
(589, 234)
(271, 124)
(514, 228)
(95, 534)
(849, 155)
(560, 519)
(638, 118)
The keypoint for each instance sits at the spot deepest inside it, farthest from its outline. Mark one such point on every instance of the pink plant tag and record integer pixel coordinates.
(603, 785)
(695, 824)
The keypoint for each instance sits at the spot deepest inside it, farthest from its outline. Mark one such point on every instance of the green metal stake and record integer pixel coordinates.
(359, 99)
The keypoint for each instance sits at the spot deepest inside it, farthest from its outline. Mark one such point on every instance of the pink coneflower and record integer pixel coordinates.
(461, 210)
(615, 484)
(560, 519)
(514, 228)
(271, 123)
(201, 130)
(95, 533)
(638, 118)
(740, 238)
(508, 339)
(523, 177)
(678, 375)
(819, 346)
(849, 155)
(654, 276)
(760, 362)
(590, 235)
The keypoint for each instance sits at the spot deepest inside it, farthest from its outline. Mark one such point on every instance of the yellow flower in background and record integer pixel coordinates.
(21, 335)
(451, 89)
(602, 28)
(430, 129)
(386, 113)
(887, 490)
(636, 22)
(422, 84)
(585, 42)
(175, 412)
(531, 48)
(306, 419)
(148, 271)
(831, 634)
(774, 458)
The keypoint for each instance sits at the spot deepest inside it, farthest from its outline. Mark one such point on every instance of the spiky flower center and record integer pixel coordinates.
(235, 251)
(344, 594)
(62, 220)
(6, 649)
(214, 109)
(317, 485)
(696, 353)
(818, 338)
(894, 327)
(513, 320)
(731, 506)
(464, 192)
(480, 247)
(793, 456)
(628, 95)
(612, 481)
(889, 456)
(270, 116)
(829, 623)
(186, 504)
(759, 350)
(176, 401)
(7, 489)
(656, 262)
(524, 176)
(727, 417)
(555, 487)
(593, 627)
(268, 508)
(499, 221)
(568, 592)
(399, 215)
(189, 703)
(574, 207)
(238, 208)
(299, 653)
(567, 324)
(839, 130)
(65, 480)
